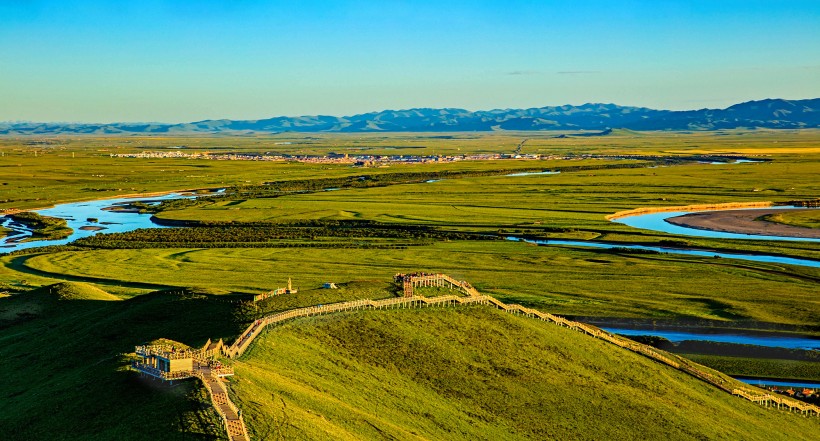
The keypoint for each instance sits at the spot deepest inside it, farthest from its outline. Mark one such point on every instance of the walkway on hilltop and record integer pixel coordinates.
(235, 426)
(410, 281)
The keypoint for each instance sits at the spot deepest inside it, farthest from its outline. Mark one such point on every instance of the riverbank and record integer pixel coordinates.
(10, 211)
(743, 222)
(697, 207)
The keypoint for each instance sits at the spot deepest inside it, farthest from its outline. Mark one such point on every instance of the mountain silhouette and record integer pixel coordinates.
(768, 113)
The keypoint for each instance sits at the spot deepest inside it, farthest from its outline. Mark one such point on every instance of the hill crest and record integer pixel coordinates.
(76, 291)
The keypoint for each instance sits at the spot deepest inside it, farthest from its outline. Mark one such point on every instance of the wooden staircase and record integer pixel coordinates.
(231, 418)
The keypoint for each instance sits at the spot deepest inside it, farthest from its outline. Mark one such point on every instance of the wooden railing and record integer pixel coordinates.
(222, 371)
(154, 372)
(275, 292)
(231, 418)
(410, 281)
(245, 339)
(781, 402)
(165, 351)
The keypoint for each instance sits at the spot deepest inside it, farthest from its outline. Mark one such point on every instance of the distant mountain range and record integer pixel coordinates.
(770, 113)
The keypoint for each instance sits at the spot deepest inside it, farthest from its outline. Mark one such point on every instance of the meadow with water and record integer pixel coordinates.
(164, 240)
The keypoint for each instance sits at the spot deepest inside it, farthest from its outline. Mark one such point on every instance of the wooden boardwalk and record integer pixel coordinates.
(231, 417)
(235, 426)
(715, 378)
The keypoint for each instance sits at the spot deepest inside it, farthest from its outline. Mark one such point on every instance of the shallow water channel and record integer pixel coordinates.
(657, 222)
(688, 252)
(79, 215)
(771, 341)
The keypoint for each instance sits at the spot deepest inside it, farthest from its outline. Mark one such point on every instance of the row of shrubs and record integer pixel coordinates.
(298, 234)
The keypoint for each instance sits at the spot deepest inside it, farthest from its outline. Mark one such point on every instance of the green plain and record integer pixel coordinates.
(432, 374)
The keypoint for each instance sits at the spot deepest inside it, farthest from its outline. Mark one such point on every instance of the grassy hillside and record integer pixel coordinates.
(76, 291)
(476, 373)
(410, 374)
(65, 364)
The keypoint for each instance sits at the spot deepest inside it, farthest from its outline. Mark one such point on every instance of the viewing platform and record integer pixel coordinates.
(168, 361)
(174, 361)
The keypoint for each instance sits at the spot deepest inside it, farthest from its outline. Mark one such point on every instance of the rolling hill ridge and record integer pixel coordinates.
(769, 113)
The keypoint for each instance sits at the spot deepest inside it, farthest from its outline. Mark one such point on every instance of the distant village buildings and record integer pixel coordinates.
(333, 158)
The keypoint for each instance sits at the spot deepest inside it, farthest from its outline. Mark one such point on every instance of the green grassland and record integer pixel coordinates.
(752, 142)
(760, 367)
(40, 171)
(476, 373)
(805, 219)
(570, 205)
(448, 374)
(574, 199)
(555, 279)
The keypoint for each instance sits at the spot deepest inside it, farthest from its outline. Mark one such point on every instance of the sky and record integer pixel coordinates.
(182, 61)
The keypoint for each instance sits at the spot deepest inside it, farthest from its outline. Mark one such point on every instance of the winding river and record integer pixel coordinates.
(85, 219)
(89, 218)
(770, 341)
(770, 258)
(657, 222)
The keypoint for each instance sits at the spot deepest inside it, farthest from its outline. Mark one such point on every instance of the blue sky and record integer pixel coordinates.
(174, 61)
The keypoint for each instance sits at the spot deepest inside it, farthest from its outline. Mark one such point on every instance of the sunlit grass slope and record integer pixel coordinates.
(476, 373)
(77, 291)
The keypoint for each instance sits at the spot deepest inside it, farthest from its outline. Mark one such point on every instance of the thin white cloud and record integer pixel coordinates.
(578, 72)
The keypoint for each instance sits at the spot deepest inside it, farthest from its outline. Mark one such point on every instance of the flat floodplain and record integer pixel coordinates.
(568, 205)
